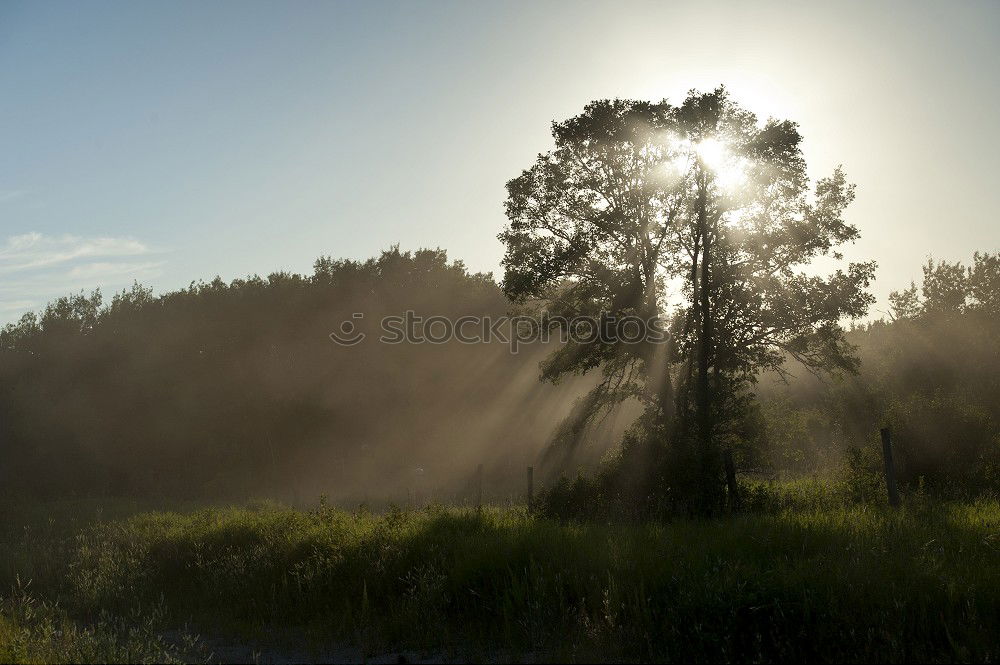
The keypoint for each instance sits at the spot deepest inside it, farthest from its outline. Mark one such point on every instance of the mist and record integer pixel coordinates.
(928, 369)
(235, 391)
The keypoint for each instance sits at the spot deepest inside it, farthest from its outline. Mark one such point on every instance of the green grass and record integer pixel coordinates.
(38, 543)
(37, 632)
(852, 583)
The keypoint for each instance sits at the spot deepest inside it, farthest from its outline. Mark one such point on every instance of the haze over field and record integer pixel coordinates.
(449, 331)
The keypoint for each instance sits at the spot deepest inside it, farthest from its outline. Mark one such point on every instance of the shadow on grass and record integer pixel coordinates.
(854, 584)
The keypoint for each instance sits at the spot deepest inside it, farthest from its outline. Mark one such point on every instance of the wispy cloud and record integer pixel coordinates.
(105, 270)
(34, 250)
(10, 194)
(15, 306)
(37, 267)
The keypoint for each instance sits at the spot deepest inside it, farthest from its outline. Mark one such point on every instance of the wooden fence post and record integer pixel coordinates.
(531, 488)
(479, 487)
(890, 468)
(727, 458)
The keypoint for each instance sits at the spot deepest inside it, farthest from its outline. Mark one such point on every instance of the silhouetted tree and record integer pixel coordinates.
(984, 282)
(638, 197)
(945, 287)
(589, 233)
(904, 304)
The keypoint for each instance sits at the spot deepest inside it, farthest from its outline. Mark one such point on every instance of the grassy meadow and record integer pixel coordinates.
(478, 331)
(807, 580)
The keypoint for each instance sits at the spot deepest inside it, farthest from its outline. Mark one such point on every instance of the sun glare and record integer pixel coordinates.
(729, 170)
(712, 152)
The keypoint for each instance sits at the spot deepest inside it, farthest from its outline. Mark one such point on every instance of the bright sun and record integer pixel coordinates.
(730, 172)
(712, 152)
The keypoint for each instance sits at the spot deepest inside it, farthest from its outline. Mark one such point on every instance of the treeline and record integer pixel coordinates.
(226, 390)
(930, 370)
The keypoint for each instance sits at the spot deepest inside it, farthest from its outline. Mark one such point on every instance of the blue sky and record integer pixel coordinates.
(168, 142)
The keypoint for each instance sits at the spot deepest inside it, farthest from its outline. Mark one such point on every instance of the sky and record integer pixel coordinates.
(167, 142)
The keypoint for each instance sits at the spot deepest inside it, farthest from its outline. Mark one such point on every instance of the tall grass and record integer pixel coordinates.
(39, 632)
(855, 583)
(38, 543)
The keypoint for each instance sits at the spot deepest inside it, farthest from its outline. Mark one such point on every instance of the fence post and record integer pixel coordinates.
(727, 458)
(531, 488)
(890, 468)
(479, 487)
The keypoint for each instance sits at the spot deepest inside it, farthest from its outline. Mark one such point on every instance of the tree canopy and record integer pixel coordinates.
(699, 215)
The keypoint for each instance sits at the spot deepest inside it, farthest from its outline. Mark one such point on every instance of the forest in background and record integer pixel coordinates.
(230, 391)
(928, 370)
(226, 391)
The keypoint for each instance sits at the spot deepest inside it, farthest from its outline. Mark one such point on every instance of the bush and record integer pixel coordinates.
(947, 443)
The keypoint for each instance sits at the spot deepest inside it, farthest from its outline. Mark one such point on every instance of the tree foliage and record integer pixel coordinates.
(930, 372)
(699, 215)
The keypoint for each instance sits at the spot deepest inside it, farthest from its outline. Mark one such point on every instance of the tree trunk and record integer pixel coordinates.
(706, 453)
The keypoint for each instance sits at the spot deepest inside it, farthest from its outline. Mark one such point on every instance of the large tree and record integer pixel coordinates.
(699, 214)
